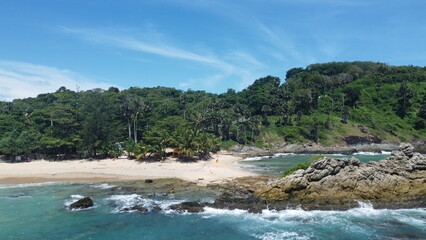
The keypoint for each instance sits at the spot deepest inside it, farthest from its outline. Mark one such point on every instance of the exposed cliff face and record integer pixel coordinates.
(398, 181)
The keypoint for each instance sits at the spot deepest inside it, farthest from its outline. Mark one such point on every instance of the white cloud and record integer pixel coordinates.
(21, 80)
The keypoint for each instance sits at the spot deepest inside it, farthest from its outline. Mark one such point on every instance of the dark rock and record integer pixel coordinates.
(138, 208)
(83, 203)
(355, 140)
(191, 207)
(149, 181)
(363, 129)
(156, 208)
(407, 149)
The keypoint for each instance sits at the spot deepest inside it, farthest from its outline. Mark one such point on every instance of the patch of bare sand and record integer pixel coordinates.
(108, 170)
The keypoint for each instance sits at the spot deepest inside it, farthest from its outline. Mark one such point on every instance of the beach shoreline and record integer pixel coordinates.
(215, 170)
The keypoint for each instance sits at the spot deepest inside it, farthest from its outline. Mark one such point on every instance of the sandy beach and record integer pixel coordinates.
(201, 172)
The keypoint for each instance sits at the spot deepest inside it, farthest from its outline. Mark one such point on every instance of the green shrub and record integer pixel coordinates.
(303, 166)
(260, 144)
(228, 144)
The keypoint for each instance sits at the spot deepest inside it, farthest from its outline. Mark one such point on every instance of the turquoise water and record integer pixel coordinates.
(39, 211)
(276, 164)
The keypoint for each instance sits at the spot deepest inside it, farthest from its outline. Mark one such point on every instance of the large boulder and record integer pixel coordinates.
(82, 203)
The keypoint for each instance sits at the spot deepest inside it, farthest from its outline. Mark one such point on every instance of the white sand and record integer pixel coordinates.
(202, 172)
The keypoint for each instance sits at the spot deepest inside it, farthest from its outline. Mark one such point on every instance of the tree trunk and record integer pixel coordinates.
(129, 128)
(135, 131)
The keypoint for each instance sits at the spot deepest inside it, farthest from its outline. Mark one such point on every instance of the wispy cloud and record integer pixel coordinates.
(21, 80)
(245, 58)
(232, 63)
(143, 45)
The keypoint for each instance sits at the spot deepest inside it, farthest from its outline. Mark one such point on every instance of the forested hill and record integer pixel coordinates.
(332, 103)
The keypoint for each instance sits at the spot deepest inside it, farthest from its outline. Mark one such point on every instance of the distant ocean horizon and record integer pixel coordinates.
(40, 211)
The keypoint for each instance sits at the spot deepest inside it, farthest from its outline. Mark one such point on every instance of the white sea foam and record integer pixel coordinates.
(284, 154)
(364, 209)
(371, 153)
(254, 158)
(23, 185)
(131, 200)
(267, 157)
(281, 235)
(217, 211)
(407, 216)
(103, 186)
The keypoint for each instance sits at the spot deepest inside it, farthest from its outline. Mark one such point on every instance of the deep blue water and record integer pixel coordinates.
(39, 211)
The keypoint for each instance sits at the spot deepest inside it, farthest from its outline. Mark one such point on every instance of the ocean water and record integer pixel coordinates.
(39, 211)
(277, 164)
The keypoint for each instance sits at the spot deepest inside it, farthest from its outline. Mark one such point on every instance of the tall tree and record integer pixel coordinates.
(404, 95)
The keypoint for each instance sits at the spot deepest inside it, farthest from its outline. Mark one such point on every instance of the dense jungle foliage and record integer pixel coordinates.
(332, 103)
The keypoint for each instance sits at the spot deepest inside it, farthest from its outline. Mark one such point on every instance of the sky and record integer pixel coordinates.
(209, 45)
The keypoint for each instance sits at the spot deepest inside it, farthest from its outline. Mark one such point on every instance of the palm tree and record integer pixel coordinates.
(184, 138)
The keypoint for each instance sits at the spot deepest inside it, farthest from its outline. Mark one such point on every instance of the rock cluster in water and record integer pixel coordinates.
(82, 203)
(338, 183)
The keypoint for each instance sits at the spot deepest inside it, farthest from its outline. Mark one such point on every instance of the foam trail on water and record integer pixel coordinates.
(281, 235)
(253, 159)
(218, 211)
(103, 186)
(267, 157)
(372, 153)
(23, 185)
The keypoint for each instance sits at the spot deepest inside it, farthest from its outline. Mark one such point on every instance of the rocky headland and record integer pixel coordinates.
(313, 148)
(398, 181)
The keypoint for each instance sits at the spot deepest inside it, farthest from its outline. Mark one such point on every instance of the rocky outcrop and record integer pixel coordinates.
(396, 182)
(190, 207)
(335, 183)
(83, 203)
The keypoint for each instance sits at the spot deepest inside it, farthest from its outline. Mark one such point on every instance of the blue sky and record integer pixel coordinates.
(199, 45)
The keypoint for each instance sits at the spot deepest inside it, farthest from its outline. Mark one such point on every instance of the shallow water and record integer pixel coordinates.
(39, 211)
(277, 164)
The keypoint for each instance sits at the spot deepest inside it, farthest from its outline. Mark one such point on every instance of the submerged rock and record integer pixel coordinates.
(138, 208)
(191, 207)
(83, 203)
(156, 208)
